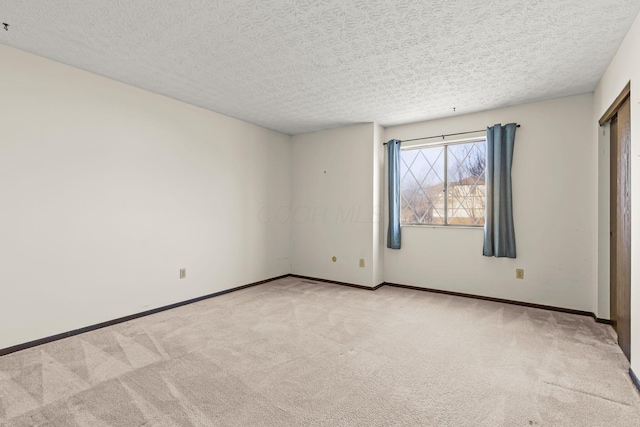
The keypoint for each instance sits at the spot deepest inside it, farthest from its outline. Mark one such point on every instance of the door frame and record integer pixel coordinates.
(620, 249)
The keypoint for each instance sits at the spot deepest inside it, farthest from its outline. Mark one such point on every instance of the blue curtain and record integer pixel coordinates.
(499, 234)
(393, 157)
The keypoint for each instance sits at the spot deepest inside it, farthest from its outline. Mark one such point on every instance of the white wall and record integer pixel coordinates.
(555, 213)
(108, 190)
(602, 290)
(624, 67)
(378, 205)
(332, 204)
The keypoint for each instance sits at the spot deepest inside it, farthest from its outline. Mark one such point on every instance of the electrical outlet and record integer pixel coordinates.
(519, 273)
(183, 273)
(361, 262)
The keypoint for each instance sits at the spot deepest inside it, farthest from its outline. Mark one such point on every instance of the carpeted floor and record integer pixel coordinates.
(295, 353)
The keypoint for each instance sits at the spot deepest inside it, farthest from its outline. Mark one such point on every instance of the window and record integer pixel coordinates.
(443, 184)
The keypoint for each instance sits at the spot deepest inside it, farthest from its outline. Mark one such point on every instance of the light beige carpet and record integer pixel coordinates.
(295, 353)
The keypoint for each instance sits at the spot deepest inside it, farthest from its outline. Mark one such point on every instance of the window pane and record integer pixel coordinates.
(466, 189)
(422, 186)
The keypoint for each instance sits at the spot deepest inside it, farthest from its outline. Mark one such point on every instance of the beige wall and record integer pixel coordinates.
(332, 205)
(378, 205)
(555, 197)
(602, 290)
(555, 208)
(624, 67)
(108, 190)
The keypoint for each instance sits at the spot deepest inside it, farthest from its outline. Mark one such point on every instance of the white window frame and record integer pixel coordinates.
(444, 144)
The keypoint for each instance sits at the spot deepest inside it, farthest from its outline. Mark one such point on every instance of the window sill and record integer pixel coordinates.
(457, 227)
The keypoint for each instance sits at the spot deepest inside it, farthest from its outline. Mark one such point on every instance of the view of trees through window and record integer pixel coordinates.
(443, 184)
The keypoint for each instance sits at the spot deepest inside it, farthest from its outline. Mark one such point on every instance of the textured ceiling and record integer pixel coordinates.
(299, 66)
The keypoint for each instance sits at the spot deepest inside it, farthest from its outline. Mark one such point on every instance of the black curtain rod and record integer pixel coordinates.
(444, 136)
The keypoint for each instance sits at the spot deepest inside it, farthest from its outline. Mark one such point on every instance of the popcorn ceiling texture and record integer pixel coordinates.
(301, 66)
